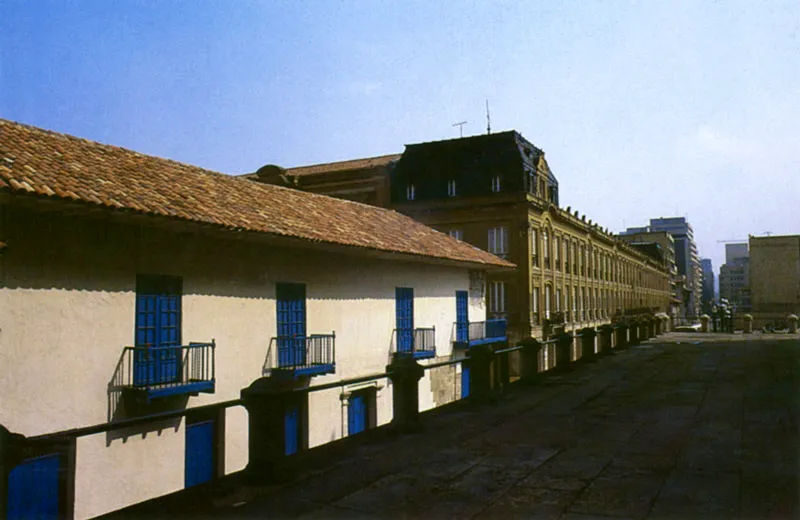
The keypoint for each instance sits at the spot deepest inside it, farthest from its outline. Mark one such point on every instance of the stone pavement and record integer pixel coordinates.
(682, 426)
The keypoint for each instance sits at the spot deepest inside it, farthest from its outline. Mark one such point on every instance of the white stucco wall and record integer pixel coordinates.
(67, 301)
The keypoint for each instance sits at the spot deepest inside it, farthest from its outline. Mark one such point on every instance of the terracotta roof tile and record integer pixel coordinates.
(55, 165)
(354, 164)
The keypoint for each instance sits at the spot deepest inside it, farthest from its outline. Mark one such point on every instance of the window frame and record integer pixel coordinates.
(451, 188)
(498, 246)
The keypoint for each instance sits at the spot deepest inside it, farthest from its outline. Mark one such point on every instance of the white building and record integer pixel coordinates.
(132, 285)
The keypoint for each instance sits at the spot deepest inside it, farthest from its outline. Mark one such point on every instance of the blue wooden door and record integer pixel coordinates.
(200, 445)
(33, 488)
(357, 413)
(464, 380)
(291, 305)
(404, 307)
(291, 429)
(158, 330)
(462, 317)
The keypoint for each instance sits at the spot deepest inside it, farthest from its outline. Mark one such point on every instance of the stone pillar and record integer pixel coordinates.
(604, 339)
(656, 325)
(747, 320)
(704, 322)
(587, 343)
(530, 359)
(622, 335)
(665, 324)
(266, 401)
(479, 361)
(405, 373)
(563, 344)
(501, 362)
(792, 319)
(11, 454)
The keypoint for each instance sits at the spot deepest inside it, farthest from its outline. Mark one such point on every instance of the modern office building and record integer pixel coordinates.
(734, 276)
(708, 285)
(774, 278)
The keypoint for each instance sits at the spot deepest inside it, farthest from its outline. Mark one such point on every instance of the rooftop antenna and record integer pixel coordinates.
(460, 127)
(488, 119)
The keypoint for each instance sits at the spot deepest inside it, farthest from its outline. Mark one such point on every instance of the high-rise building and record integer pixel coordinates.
(734, 276)
(708, 285)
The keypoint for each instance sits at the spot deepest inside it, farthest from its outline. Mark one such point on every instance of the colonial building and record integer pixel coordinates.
(498, 193)
(132, 285)
(687, 259)
(666, 253)
(774, 278)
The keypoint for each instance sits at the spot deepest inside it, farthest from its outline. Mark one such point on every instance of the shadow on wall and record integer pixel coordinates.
(74, 252)
(126, 402)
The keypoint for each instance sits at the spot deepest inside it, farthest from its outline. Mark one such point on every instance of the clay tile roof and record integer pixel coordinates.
(354, 164)
(58, 166)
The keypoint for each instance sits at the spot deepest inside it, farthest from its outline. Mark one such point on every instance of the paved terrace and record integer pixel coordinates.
(682, 426)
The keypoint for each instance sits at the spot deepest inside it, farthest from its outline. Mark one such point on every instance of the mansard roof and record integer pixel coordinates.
(499, 151)
(44, 164)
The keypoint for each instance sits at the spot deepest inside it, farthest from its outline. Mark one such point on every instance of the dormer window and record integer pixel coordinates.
(451, 188)
(532, 182)
(410, 192)
(496, 184)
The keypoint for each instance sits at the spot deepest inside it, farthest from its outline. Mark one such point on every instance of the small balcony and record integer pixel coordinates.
(419, 343)
(294, 356)
(480, 333)
(153, 372)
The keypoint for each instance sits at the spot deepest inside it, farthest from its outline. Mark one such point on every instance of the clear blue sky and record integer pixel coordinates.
(644, 109)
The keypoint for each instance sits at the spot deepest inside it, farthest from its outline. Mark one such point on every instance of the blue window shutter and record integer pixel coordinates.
(404, 307)
(462, 316)
(33, 489)
(200, 446)
(291, 319)
(158, 324)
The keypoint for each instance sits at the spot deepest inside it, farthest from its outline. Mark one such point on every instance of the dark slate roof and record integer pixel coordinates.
(56, 166)
(504, 151)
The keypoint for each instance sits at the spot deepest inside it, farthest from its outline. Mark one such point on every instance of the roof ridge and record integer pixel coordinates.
(344, 161)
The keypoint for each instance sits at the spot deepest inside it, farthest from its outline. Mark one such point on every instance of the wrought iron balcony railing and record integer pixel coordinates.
(314, 354)
(419, 342)
(165, 371)
(480, 332)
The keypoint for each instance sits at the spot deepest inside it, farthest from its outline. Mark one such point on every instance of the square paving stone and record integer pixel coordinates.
(387, 493)
(523, 457)
(764, 496)
(698, 495)
(530, 503)
(627, 496)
